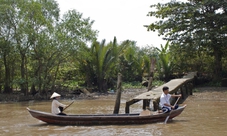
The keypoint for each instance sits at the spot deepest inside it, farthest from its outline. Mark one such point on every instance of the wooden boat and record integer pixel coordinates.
(104, 119)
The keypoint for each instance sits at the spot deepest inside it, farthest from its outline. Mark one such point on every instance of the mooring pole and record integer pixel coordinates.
(118, 98)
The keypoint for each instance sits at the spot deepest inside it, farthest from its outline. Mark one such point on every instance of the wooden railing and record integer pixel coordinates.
(182, 86)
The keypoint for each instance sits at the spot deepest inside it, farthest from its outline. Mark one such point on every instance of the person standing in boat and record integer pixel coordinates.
(165, 100)
(57, 107)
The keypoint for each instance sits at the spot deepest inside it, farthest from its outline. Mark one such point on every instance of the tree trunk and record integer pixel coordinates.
(39, 77)
(33, 87)
(118, 98)
(102, 85)
(33, 90)
(54, 78)
(23, 84)
(217, 65)
(7, 88)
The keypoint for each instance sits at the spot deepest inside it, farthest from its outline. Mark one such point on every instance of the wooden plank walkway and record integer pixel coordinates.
(174, 85)
(156, 93)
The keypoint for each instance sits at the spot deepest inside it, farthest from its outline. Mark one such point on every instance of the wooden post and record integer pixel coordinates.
(118, 98)
(182, 92)
(151, 74)
(147, 102)
(144, 104)
(190, 88)
(128, 103)
(155, 105)
(186, 89)
(127, 107)
(149, 83)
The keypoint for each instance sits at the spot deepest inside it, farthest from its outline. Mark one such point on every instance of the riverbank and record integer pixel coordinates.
(201, 92)
(215, 93)
(19, 97)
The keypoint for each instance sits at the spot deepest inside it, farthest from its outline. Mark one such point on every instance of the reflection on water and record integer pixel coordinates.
(204, 115)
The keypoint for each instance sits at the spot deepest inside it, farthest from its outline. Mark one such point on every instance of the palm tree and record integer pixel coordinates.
(104, 58)
(165, 63)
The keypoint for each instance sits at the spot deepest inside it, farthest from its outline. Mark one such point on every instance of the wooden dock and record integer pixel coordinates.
(178, 86)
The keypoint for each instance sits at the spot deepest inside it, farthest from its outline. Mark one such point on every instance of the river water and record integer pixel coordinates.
(205, 115)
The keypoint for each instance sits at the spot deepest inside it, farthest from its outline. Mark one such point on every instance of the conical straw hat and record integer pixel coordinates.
(54, 95)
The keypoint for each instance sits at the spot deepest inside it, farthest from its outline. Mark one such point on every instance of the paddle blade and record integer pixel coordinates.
(166, 119)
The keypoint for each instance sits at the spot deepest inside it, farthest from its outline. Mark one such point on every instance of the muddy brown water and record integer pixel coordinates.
(205, 115)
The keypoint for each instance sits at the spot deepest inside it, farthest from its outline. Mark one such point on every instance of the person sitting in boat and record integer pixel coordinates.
(165, 100)
(57, 107)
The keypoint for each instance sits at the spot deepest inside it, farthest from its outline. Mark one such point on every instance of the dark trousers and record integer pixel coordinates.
(166, 109)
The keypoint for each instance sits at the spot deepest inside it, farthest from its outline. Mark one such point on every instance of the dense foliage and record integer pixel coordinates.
(41, 51)
(36, 44)
(197, 30)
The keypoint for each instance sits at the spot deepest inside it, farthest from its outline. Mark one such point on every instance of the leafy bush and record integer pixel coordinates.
(213, 84)
(134, 84)
(137, 84)
(157, 83)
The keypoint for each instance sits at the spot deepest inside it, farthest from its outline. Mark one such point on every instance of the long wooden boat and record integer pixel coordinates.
(103, 119)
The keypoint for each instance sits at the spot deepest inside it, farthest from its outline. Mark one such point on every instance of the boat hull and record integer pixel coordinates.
(106, 119)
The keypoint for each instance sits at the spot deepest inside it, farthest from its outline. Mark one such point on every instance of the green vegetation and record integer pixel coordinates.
(195, 90)
(197, 32)
(132, 85)
(41, 51)
(137, 84)
(212, 84)
(166, 63)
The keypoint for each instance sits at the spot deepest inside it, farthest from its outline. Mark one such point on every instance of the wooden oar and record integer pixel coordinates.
(171, 110)
(68, 105)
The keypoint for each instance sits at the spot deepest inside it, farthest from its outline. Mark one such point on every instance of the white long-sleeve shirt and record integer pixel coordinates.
(55, 105)
(164, 99)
